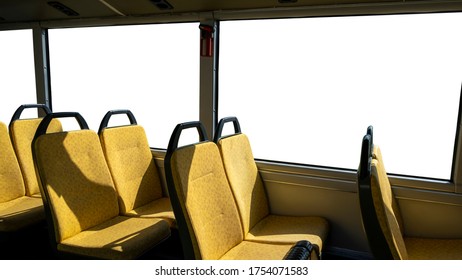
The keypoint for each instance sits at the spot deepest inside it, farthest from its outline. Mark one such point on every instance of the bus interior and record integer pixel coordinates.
(301, 79)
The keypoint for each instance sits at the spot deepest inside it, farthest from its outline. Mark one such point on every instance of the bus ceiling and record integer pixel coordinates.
(22, 14)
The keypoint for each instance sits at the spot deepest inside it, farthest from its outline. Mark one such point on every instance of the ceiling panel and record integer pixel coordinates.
(34, 10)
(14, 11)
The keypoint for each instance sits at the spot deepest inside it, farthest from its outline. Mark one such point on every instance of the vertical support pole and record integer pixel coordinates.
(208, 112)
(42, 66)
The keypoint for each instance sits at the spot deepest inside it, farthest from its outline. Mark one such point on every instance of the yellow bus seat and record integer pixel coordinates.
(80, 198)
(22, 133)
(207, 215)
(381, 217)
(17, 211)
(133, 170)
(259, 224)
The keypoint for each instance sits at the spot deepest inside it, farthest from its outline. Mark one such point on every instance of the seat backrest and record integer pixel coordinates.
(244, 178)
(78, 191)
(11, 180)
(131, 162)
(377, 154)
(376, 201)
(22, 132)
(204, 206)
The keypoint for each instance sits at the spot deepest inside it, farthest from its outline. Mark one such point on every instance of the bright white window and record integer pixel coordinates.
(152, 70)
(17, 76)
(305, 90)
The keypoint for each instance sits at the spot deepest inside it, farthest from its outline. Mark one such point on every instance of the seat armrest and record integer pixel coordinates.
(302, 250)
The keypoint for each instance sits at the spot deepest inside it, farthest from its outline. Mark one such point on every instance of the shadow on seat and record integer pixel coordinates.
(80, 198)
(381, 217)
(17, 210)
(22, 132)
(133, 170)
(259, 224)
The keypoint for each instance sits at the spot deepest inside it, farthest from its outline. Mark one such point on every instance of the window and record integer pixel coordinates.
(305, 90)
(152, 70)
(17, 82)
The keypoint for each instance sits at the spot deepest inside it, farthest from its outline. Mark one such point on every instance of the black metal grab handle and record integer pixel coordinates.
(42, 128)
(18, 112)
(109, 114)
(173, 143)
(370, 131)
(221, 124)
(366, 157)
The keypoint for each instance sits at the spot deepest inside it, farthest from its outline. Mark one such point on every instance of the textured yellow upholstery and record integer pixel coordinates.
(389, 216)
(248, 250)
(16, 210)
(383, 197)
(76, 180)
(433, 249)
(159, 208)
(20, 212)
(11, 181)
(119, 238)
(135, 174)
(377, 154)
(244, 179)
(249, 192)
(206, 199)
(22, 133)
(288, 230)
(208, 206)
(78, 187)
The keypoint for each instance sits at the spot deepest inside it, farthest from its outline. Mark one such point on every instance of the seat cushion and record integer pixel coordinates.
(21, 212)
(433, 249)
(248, 250)
(288, 230)
(119, 238)
(159, 208)
(37, 195)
